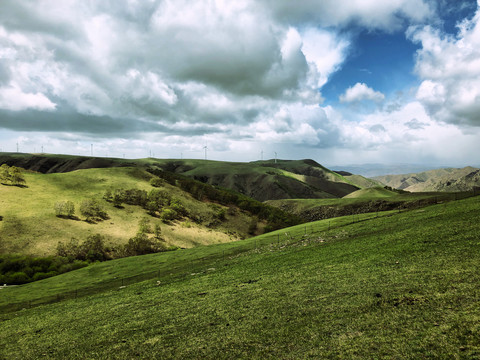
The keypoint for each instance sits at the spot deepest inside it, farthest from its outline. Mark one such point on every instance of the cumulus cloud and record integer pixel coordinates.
(158, 63)
(385, 15)
(360, 92)
(175, 74)
(449, 66)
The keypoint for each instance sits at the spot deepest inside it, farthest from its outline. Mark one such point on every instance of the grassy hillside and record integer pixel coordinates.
(371, 193)
(363, 201)
(448, 179)
(265, 180)
(401, 286)
(29, 224)
(261, 180)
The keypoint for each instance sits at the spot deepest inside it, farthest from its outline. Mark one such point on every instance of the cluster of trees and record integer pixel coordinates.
(11, 175)
(157, 202)
(21, 269)
(148, 240)
(89, 208)
(142, 243)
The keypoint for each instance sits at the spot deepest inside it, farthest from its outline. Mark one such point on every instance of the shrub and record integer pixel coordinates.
(17, 278)
(11, 175)
(144, 226)
(91, 209)
(156, 182)
(64, 209)
(168, 215)
(141, 244)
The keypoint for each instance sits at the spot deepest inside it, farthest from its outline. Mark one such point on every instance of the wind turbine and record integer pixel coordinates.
(275, 157)
(205, 148)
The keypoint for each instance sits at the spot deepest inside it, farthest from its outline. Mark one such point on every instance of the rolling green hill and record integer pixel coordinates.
(266, 180)
(398, 286)
(261, 180)
(364, 201)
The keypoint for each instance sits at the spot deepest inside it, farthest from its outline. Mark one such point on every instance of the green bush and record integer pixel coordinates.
(64, 209)
(11, 175)
(17, 278)
(91, 210)
(141, 244)
(168, 215)
(156, 182)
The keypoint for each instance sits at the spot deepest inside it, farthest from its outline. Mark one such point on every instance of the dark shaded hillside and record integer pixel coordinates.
(47, 164)
(266, 180)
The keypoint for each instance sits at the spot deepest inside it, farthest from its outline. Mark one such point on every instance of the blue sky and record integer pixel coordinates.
(383, 61)
(346, 82)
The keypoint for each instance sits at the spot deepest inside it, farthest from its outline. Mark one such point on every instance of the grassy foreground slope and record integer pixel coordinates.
(398, 287)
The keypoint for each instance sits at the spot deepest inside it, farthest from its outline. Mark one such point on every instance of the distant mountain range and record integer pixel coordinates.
(372, 170)
(447, 179)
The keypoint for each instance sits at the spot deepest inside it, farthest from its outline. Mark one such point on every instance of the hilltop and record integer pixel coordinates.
(447, 179)
(261, 180)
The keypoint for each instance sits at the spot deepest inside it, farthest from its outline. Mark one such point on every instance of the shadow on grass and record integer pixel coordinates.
(66, 217)
(17, 185)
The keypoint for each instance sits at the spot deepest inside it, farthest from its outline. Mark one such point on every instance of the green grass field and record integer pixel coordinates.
(401, 286)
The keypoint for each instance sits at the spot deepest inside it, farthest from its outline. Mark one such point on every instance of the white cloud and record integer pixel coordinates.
(13, 98)
(360, 92)
(325, 52)
(373, 14)
(450, 69)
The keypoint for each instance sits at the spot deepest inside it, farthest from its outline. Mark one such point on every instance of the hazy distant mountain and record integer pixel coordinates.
(448, 179)
(372, 170)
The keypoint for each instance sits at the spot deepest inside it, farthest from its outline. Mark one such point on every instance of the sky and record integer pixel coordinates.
(350, 82)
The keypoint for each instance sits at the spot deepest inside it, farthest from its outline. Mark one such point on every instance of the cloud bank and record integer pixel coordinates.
(242, 76)
(449, 66)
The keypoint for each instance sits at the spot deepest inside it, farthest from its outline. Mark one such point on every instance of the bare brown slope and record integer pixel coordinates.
(448, 179)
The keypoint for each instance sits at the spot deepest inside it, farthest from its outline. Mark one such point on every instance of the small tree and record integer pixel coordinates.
(11, 175)
(108, 196)
(91, 209)
(144, 226)
(5, 174)
(16, 176)
(64, 209)
(117, 198)
(157, 233)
